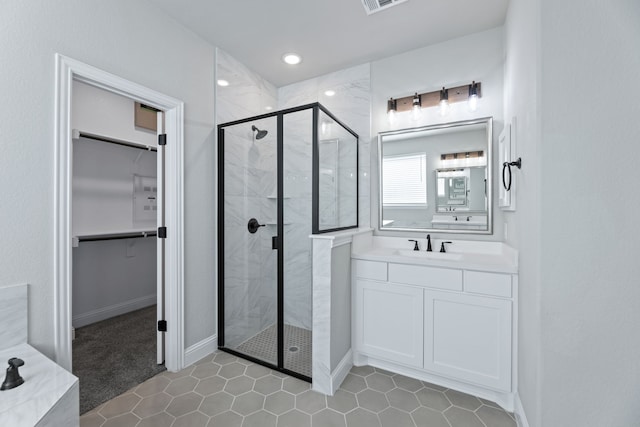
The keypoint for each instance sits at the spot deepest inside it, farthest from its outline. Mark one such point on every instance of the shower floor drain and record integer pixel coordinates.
(293, 349)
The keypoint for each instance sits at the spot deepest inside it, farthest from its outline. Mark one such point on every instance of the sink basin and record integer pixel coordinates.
(443, 256)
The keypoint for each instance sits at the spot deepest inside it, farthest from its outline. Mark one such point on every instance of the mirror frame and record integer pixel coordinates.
(488, 122)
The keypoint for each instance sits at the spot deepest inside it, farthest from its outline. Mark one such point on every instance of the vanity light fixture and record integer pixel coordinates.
(392, 107)
(442, 98)
(444, 101)
(463, 159)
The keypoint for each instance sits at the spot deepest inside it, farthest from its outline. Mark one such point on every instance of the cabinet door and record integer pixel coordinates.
(388, 322)
(469, 338)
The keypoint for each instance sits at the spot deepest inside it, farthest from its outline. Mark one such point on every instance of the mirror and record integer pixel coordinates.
(437, 178)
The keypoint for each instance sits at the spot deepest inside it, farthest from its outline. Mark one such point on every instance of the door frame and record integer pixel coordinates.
(68, 70)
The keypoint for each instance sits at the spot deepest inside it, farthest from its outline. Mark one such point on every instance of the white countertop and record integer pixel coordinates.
(472, 255)
(45, 383)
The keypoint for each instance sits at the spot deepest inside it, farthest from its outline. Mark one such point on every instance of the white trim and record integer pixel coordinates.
(521, 417)
(67, 70)
(113, 310)
(200, 350)
(340, 373)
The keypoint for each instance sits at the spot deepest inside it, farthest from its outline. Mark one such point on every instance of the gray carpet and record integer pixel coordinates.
(111, 356)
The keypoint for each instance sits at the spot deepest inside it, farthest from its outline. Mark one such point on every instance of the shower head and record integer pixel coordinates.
(261, 133)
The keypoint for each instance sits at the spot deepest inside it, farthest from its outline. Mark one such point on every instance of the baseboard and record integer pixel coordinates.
(113, 310)
(521, 418)
(341, 371)
(504, 399)
(200, 349)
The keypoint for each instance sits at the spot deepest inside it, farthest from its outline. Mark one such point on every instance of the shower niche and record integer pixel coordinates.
(281, 177)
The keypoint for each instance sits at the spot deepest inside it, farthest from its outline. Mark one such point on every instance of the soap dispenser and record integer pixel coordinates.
(13, 378)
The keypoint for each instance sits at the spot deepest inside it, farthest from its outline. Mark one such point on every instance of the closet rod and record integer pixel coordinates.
(126, 236)
(78, 134)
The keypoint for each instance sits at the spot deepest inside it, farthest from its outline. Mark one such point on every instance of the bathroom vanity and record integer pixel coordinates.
(446, 318)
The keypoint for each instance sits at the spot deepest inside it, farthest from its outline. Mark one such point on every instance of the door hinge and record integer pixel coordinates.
(162, 139)
(162, 232)
(162, 326)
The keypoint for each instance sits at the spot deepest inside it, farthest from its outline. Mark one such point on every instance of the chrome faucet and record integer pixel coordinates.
(429, 243)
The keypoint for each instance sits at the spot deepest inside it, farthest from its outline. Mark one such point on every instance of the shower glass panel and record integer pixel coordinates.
(275, 173)
(338, 175)
(250, 265)
(298, 194)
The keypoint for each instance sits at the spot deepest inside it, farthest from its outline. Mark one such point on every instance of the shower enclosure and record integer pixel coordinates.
(281, 177)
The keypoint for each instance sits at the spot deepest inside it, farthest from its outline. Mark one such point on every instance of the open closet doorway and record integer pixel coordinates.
(117, 210)
(107, 208)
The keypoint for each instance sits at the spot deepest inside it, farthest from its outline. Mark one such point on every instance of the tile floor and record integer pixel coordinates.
(264, 346)
(225, 391)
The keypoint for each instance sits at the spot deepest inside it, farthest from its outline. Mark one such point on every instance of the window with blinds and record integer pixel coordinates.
(404, 181)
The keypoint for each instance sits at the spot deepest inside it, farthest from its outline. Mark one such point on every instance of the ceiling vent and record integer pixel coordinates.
(373, 6)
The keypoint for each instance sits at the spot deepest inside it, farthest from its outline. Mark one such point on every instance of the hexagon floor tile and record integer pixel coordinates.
(222, 390)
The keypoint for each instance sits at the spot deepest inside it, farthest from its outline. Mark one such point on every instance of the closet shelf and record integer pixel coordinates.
(115, 234)
(77, 134)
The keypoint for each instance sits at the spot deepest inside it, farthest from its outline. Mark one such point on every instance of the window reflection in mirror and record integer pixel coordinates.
(437, 178)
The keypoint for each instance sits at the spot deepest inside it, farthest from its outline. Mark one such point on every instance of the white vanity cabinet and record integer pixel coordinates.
(450, 326)
(468, 337)
(389, 321)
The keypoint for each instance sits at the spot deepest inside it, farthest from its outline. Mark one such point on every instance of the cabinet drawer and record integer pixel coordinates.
(433, 277)
(496, 284)
(371, 270)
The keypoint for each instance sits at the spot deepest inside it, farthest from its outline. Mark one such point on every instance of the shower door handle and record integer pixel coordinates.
(253, 225)
(274, 242)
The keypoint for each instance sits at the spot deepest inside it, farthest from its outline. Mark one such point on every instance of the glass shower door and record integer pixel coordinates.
(249, 222)
(297, 177)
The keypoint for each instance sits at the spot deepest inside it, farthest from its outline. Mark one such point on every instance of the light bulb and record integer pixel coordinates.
(415, 109)
(444, 107)
(391, 116)
(391, 111)
(473, 102)
(444, 101)
(473, 96)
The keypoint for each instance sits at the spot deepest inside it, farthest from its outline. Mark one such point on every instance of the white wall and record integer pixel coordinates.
(132, 40)
(522, 73)
(590, 238)
(478, 57)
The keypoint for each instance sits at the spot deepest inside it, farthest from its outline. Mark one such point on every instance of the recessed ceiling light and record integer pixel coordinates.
(291, 58)
(329, 92)
(222, 82)
(268, 108)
